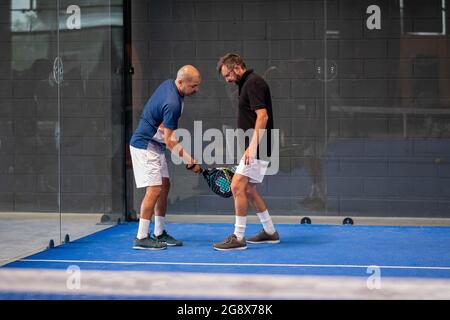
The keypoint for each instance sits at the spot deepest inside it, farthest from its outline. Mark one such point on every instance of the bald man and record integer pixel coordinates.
(155, 133)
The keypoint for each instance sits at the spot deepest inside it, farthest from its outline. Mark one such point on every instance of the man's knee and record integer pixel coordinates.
(153, 191)
(238, 186)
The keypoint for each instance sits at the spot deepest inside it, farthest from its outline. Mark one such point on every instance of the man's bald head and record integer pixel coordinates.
(188, 80)
(188, 73)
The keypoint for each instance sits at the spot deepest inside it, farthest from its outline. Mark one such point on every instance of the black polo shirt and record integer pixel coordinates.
(254, 94)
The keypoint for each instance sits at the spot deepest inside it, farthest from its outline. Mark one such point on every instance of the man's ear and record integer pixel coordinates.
(238, 69)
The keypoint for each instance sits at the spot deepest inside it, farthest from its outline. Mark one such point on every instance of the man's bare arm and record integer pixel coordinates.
(175, 147)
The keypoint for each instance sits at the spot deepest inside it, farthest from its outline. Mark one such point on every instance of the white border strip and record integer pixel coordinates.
(182, 285)
(212, 264)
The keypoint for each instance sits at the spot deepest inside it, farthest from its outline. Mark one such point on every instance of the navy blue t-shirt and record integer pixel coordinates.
(164, 106)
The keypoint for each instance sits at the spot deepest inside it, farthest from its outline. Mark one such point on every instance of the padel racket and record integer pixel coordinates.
(219, 180)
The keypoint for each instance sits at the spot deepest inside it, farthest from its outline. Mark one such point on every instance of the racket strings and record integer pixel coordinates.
(221, 184)
(219, 181)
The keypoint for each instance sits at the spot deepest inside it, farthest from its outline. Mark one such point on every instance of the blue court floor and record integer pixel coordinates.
(331, 250)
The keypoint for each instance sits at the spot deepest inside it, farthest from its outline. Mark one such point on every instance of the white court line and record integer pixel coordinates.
(212, 264)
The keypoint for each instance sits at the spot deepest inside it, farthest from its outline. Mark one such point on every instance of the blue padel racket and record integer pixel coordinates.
(219, 180)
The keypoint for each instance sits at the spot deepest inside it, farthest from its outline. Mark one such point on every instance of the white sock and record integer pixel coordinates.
(144, 225)
(160, 225)
(239, 227)
(266, 221)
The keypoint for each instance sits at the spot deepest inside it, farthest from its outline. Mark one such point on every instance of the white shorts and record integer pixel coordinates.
(255, 170)
(149, 166)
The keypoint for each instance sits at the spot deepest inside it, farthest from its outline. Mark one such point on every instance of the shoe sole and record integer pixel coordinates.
(146, 248)
(230, 249)
(265, 241)
(173, 244)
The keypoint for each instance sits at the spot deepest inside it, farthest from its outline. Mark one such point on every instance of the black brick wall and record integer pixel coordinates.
(347, 146)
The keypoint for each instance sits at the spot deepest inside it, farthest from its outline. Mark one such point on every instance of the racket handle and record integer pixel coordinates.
(190, 168)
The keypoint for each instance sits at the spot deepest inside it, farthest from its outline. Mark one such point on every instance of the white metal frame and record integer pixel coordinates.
(444, 26)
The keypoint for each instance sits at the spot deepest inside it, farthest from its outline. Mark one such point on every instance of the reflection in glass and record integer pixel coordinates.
(61, 126)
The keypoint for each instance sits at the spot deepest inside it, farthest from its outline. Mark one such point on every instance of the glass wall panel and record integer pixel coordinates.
(92, 127)
(388, 115)
(29, 170)
(62, 157)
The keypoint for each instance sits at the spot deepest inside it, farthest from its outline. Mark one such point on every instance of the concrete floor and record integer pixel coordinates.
(26, 233)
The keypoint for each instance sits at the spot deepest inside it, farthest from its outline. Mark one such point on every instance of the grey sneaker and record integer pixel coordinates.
(264, 237)
(231, 243)
(148, 244)
(168, 239)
